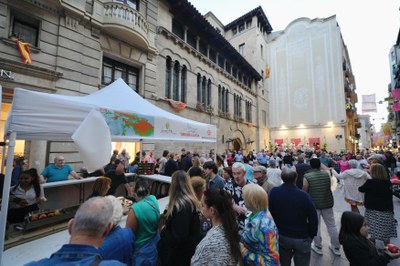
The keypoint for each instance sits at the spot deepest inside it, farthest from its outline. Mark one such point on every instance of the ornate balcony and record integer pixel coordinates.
(126, 23)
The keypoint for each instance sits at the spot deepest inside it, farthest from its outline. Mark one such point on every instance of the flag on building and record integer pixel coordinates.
(25, 52)
(267, 72)
(369, 103)
(396, 99)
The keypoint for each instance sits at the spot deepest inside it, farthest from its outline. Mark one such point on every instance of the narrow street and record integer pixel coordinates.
(340, 206)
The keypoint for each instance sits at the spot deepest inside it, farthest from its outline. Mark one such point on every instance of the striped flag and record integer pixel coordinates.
(25, 52)
(369, 103)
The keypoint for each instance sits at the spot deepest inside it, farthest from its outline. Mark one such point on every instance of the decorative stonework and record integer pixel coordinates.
(71, 23)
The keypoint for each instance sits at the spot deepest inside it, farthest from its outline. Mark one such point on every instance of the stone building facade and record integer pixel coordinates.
(162, 49)
(76, 48)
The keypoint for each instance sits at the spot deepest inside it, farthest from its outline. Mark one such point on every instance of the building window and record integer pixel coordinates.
(241, 27)
(212, 55)
(248, 24)
(234, 31)
(262, 50)
(204, 91)
(191, 39)
(112, 70)
(198, 88)
(168, 67)
(221, 61)
(183, 83)
(248, 111)
(226, 101)
(234, 72)
(237, 107)
(203, 48)
(178, 29)
(228, 67)
(219, 98)
(131, 3)
(175, 82)
(264, 118)
(208, 93)
(24, 28)
(222, 99)
(241, 49)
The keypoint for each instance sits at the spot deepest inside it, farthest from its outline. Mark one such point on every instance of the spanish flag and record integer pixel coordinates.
(267, 72)
(25, 52)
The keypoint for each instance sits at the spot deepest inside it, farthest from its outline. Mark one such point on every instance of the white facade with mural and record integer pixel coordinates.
(306, 83)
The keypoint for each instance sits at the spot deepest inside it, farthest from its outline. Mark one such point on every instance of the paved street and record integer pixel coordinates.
(340, 206)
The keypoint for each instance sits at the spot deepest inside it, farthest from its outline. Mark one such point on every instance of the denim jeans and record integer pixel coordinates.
(146, 255)
(297, 248)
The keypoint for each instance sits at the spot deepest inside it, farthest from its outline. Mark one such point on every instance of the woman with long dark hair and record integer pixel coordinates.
(221, 244)
(359, 250)
(25, 196)
(181, 232)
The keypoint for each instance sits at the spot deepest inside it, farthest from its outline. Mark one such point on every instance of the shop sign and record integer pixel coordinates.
(6, 74)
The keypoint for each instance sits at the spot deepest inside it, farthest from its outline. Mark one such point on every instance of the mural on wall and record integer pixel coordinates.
(304, 90)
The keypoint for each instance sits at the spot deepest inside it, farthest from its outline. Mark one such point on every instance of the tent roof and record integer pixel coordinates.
(43, 116)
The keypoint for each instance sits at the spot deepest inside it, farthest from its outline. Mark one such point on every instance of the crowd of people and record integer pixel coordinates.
(260, 208)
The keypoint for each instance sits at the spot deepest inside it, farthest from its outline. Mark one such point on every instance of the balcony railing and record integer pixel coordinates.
(121, 16)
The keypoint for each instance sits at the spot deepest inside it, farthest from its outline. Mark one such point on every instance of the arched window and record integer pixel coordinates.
(208, 92)
(220, 98)
(226, 101)
(248, 111)
(168, 77)
(203, 92)
(175, 94)
(183, 83)
(198, 88)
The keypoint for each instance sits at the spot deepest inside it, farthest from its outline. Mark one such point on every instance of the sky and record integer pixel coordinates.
(369, 29)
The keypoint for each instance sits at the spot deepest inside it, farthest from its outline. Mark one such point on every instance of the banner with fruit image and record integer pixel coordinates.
(143, 126)
(128, 124)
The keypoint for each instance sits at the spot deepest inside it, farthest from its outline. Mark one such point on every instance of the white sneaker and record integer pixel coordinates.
(316, 249)
(335, 251)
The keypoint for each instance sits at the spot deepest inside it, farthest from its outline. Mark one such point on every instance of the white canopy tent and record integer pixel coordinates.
(115, 113)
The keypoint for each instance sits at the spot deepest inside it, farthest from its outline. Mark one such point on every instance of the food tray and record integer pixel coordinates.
(65, 214)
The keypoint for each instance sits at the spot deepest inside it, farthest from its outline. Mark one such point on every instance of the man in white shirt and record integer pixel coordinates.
(274, 174)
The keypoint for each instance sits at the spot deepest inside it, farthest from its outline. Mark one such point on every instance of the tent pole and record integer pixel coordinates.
(215, 152)
(3, 157)
(141, 149)
(6, 192)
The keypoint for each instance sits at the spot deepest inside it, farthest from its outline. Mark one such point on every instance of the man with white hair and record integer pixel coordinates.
(89, 227)
(352, 180)
(59, 171)
(274, 174)
(234, 187)
(120, 242)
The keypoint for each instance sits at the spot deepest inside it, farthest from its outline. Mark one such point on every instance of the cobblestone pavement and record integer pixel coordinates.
(328, 258)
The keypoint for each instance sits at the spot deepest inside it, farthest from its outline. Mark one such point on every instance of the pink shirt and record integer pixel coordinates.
(344, 165)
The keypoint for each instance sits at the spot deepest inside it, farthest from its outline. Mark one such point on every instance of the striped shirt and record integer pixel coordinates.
(214, 249)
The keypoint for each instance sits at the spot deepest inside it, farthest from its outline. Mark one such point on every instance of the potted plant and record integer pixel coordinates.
(14, 36)
(200, 106)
